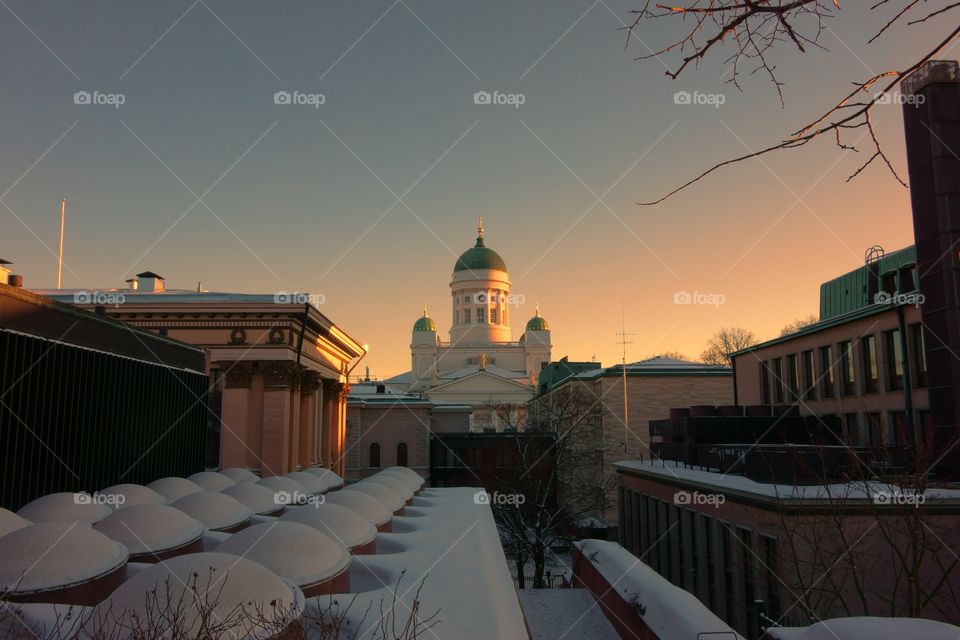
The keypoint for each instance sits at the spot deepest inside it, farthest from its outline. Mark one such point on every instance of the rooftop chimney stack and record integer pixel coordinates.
(150, 282)
(932, 131)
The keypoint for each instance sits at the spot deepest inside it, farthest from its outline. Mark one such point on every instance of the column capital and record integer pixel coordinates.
(279, 374)
(237, 375)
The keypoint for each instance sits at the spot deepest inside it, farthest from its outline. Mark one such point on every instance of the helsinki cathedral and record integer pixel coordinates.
(480, 364)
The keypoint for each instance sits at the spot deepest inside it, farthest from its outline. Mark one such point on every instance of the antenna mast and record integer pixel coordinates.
(63, 214)
(626, 406)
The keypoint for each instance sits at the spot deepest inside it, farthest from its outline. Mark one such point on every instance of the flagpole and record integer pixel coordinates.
(63, 213)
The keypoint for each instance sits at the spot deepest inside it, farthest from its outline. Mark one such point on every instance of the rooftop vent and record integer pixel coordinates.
(150, 282)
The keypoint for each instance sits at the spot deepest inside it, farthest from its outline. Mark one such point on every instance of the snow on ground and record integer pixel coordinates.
(571, 614)
(671, 612)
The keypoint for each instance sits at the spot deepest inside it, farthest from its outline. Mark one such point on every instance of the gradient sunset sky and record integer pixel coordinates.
(368, 199)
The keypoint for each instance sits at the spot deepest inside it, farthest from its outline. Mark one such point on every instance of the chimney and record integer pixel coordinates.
(150, 282)
(932, 130)
(15, 280)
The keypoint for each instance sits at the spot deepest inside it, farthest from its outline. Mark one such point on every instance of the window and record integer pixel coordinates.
(777, 380)
(919, 356)
(908, 279)
(894, 357)
(456, 317)
(466, 316)
(481, 314)
(851, 428)
(826, 372)
(848, 370)
(899, 432)
(770, 560)
(749, 581)
(873, 428)
(868, 352)
(809, 389)
(793, 376)
(375, 455)
(764, 383)
(493, 315)
(402, 454)
(890, 283)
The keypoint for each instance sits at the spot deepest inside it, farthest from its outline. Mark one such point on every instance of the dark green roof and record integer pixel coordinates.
(425, 323)
(537, 323)
(856, 289)
(479, 257)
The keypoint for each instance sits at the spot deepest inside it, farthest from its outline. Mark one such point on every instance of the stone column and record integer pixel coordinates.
(278, 379)
(308, 417)
(235, 413)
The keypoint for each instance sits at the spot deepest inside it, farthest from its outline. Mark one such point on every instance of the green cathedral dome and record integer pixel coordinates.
(538, 322)
(479, 257)
(425, 323)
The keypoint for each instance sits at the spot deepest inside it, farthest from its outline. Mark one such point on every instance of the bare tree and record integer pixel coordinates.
(724, 342)
(558, 482)
(873, 542)
(751, 31)
(798, 324)
(676, 355)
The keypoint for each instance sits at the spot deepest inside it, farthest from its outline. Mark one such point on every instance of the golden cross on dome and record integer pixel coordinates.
(480, 227)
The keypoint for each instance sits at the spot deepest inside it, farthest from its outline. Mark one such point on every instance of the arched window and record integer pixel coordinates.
(375, 455)
(402, 454)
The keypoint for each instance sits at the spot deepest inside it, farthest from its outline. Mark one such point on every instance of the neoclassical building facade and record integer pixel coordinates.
(480, 364)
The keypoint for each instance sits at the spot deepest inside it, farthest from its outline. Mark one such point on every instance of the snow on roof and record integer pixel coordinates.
(240, 475)
(291, 550)
(211, 480)
(571, 614)
(390, 497)
(133, 494)
(54, 555)
(312, 483)
(64, 507)
(394, 483)
(214, 510)
(42, 620)
(670, 612)
(406, 474)
(280, 484)
(9, 521)
(150, 528)
(259, 498)
(331, 478)
(736, 483)
(339, 523)
(240, 585)
(868, 628)
(175, 488)
(453, 541)
(365, 505)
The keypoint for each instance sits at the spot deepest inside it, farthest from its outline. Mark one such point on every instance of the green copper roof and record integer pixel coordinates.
(479, 257)
(537, 323)
(425, 323)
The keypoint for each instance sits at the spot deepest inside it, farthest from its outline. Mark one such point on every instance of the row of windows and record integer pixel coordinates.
(482, 297)
(846, 368)
(374, 456)
(481, 314)
(873, 429)
(729, 568)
